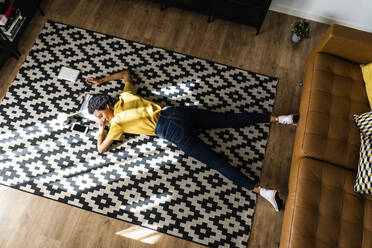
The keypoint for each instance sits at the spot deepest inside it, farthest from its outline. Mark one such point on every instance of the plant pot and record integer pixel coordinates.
(295, 38)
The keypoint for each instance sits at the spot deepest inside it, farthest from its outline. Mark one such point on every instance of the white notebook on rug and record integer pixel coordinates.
(68, 74)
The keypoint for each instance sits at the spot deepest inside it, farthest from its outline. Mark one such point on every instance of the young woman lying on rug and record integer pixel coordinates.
(136, 115)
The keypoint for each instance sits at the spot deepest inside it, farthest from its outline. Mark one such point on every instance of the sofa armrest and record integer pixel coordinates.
(348, 43)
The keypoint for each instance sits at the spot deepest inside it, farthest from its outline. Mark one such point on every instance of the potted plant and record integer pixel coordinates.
(300, 30)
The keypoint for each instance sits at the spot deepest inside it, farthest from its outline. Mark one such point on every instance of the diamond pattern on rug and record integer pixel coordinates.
(145, 180)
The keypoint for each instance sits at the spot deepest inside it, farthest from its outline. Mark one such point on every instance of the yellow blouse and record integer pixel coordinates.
(133, 114)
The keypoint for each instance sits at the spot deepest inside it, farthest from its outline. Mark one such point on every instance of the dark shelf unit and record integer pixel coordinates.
(8, 48)
(191, 5)
(249, 12)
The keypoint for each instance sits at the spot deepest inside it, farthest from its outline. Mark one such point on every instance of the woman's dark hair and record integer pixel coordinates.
(98, 102)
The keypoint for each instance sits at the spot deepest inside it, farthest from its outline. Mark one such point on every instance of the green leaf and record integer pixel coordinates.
(301, 28)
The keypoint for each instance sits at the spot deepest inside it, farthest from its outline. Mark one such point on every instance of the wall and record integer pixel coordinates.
(351, 13)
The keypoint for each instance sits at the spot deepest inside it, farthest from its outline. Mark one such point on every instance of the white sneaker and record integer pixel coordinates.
(288, 119)
(272, 196)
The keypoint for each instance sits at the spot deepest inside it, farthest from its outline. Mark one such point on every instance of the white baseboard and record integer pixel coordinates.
(316, 17)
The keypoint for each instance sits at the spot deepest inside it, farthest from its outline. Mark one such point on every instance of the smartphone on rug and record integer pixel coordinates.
(79, 128)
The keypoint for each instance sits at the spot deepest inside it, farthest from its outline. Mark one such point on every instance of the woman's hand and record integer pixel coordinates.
(92, 81)
(101, 127)
(103, 123)
(119, 75)
(103, 144)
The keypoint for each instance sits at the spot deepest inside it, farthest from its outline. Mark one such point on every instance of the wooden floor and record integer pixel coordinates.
(31, 221)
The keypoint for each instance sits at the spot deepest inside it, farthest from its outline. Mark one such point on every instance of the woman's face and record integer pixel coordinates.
(105, 115)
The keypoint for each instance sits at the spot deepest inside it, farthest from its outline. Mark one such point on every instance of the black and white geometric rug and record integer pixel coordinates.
(146, 180)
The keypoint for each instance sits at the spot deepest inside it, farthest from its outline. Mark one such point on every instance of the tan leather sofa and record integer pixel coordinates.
(322, 209)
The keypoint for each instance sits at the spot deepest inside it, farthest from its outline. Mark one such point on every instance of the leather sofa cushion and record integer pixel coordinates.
(326, 212)
(337, 92)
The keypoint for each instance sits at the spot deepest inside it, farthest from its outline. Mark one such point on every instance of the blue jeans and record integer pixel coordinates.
(177, 125)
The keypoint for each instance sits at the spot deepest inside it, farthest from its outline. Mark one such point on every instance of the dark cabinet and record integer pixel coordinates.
(249, 12)
(192, 5)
